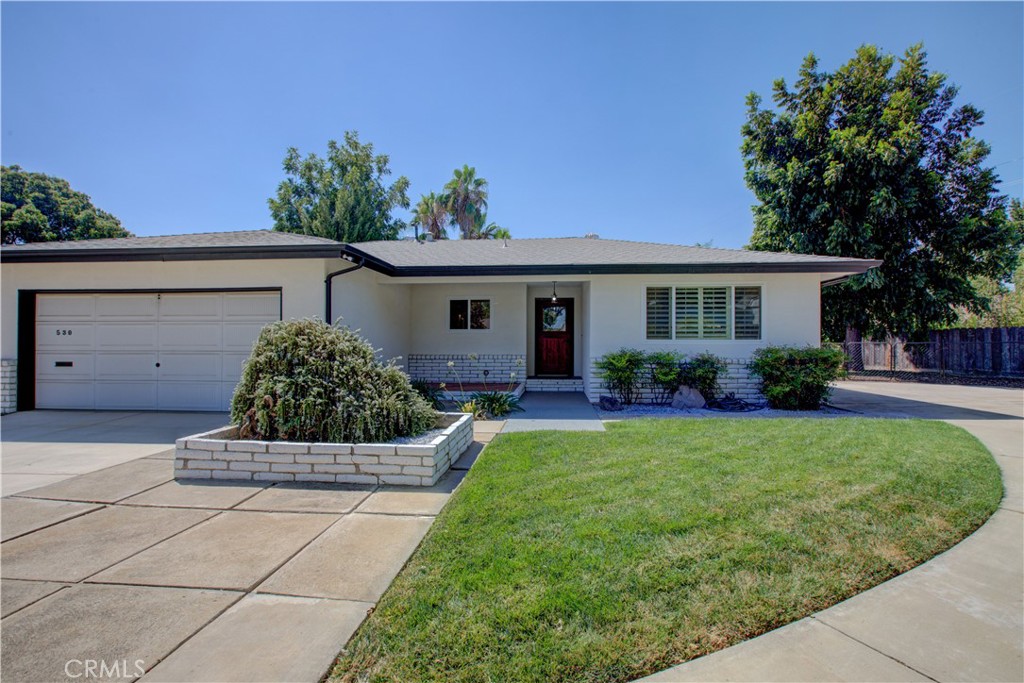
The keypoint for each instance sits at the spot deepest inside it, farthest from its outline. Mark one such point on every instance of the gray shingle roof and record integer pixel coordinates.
(237, 244)
(578, 254)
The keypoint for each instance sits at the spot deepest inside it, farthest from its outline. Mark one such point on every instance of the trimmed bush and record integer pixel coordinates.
(797, 379)
(623, 372)
(664, 374)
(702, 372)
(309, 381)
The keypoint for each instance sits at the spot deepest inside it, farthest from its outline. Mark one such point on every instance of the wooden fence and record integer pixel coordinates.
(997, 351)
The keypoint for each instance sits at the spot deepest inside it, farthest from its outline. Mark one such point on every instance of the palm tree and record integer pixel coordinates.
(432, 215)
(465, 198)
(483, 230)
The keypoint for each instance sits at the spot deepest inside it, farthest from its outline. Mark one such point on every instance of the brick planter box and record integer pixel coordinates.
(218, 454)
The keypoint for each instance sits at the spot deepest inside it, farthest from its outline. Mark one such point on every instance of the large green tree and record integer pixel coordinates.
(876, 161)
(431, 214)
(41, 208)
(344, 196)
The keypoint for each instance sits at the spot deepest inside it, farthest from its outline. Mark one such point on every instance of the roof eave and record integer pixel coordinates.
(287, 251)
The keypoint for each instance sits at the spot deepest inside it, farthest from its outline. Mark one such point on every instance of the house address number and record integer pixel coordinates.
(63, 333)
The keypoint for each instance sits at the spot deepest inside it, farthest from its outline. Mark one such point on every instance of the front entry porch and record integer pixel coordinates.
(560, 411)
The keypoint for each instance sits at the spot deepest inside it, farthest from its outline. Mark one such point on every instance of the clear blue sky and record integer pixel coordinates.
(610, 118)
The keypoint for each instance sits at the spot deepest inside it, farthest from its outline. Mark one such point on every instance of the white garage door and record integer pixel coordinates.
(169, 351)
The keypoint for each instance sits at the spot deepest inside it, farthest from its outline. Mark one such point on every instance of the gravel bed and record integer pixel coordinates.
(424, 438)
(636, 411)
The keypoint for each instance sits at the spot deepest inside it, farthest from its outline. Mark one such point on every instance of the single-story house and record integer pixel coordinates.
(164, 323)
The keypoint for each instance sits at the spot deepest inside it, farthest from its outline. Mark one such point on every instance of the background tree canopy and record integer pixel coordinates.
(344, 196)
(41, 208)
(874, 161)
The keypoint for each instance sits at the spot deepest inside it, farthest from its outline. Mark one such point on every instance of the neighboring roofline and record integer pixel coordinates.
(854, 266)
(279, 251)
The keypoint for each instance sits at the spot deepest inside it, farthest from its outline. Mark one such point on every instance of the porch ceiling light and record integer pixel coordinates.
(554, 293)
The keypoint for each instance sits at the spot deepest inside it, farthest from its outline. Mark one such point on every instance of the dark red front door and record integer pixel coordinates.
(554, 337)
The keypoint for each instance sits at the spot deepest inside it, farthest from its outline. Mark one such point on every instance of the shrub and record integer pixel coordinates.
(623, 373)
(797, 379)
(496, 403)
(309, 381)
(702, 372)
(430, 392)
(664, 374)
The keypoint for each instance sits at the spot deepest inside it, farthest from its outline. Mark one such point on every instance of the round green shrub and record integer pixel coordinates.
(309, 381)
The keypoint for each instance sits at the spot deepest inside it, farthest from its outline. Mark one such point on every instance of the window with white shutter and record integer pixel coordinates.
(659, 312)
(704, 312)
(747, 312)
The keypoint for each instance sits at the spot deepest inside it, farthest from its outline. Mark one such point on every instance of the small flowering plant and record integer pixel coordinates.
(489, 403)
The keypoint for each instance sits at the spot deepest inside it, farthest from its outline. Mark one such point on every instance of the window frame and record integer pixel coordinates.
(469, 313)
(731, 300)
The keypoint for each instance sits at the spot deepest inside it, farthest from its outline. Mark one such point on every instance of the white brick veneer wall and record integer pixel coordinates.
(433, 367)
(736, 380)
(8, 385)
(218, 455)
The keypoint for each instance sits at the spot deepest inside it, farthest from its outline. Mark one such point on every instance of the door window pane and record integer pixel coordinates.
(554, 319)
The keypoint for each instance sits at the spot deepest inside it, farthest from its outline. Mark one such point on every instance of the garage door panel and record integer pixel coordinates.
(65, 366)
(190, 366)
(103, 350)
(127, 366)
(250, 306)
(129, 307)
(58, 395)
(65, 306)
(126, 395)
(190, 396)
(126, 336)
(239, 337)
(191, 306)
(65, 336)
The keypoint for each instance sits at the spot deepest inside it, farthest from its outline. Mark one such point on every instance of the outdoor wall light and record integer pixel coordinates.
(554, 293)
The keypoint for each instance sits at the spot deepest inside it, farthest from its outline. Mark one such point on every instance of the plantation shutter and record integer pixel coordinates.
(659, 313)
(687, 313)
(715, 313)
(748, 312)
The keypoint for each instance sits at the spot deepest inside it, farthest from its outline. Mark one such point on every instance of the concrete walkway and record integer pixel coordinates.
(957, 617)
(42, 447)
(561, 411)
(199, 581)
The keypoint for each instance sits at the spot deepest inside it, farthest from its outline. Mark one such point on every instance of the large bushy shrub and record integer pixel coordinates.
(702, 372)
(309, 381)
(664, 374)
(797, 379)
(623, 373)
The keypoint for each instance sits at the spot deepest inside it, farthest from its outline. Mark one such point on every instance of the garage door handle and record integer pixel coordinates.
(158, 365)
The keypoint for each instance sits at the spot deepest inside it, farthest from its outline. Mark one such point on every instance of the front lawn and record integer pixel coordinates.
(594, 556)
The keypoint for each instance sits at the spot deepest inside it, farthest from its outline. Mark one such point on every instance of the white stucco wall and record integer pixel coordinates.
(429, 319)
(378, 306)
(301, 282)
(790, 312)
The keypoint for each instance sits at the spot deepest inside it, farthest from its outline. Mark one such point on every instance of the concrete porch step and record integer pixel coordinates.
(574, 384)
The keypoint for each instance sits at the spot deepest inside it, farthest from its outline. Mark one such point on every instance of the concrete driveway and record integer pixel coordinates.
(958, 617)
(40, 447)
(190, 581)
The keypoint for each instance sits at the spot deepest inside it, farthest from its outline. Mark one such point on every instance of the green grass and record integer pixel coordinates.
(607, 556)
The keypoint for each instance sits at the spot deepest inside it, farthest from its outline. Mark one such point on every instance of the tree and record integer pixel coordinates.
(1005, 307)
(874, 163)
(432, 215)
(466, 199)
(344, 196)
(40, 208)
(484, 230)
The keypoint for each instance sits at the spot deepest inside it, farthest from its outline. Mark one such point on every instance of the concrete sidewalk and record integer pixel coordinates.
(200, 581)
(958, 617)
(560, 411)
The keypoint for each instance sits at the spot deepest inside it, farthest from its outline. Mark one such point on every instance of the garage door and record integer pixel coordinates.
(168, 351)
